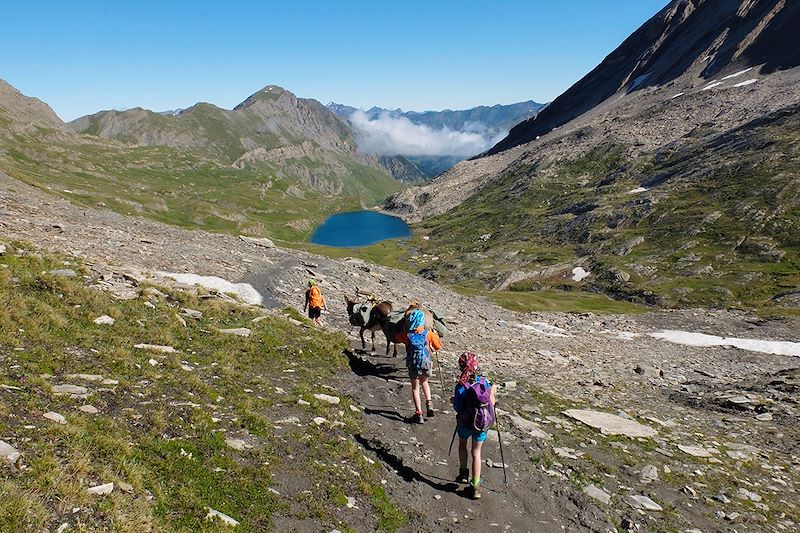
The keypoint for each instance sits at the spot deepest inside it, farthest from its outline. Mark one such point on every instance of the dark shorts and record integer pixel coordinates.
(314, 312)
(465, 433)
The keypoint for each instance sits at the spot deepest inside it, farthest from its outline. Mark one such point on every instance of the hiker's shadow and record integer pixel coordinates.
(404, 471)
(388, 414)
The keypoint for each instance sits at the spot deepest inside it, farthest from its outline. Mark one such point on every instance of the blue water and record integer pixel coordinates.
(359, 228)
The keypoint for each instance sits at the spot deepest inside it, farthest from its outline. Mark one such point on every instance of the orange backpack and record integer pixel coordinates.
(315, 299)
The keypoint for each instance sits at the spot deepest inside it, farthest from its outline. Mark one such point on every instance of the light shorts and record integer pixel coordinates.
(414, 373)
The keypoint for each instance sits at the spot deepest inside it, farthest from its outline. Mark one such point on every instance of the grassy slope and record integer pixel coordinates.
(743, 184)
(183, 187)
(155, 429)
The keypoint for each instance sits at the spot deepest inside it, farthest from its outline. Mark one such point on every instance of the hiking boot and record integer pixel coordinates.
(474, 492)
(429, 407)
(463, 476)
(417, 419)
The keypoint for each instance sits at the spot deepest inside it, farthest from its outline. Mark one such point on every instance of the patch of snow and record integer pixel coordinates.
(544, 328)
(688, 338)
(746, 82)
(578, 274)
(246, 292)
(638, 81)
(677, 95)
(737, 74)
(712, 85)
(638, 190)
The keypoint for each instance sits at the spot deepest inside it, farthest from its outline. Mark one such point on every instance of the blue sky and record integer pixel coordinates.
(84, 56)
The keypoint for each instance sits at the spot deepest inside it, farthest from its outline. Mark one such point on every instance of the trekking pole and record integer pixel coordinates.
(500, 440)
(450, 451)
(441, 373)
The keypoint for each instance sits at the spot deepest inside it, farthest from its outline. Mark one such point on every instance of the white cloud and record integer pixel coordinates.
(399, 136)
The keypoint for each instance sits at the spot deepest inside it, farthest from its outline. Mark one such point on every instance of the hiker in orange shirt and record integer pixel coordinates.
(315, 303)
(419, 345)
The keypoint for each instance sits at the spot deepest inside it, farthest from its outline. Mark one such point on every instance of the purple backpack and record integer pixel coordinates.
(477, 411)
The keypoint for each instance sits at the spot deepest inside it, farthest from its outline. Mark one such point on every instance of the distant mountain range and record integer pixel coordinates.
(497, 117)
(487, 122)
(274, 165)
(670, 172)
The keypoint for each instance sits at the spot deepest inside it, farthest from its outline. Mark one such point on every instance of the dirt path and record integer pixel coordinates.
(421, 473)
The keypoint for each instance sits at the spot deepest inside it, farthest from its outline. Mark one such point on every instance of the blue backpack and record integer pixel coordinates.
(417, 354)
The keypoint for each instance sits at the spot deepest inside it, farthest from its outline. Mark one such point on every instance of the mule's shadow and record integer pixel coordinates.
(406, 472)
(364, 367)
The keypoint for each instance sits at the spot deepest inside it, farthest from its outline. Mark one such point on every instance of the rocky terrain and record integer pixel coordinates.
(703, 437)
(689, 126)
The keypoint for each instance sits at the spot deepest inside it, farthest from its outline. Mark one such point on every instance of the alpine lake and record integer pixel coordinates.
(359, 228)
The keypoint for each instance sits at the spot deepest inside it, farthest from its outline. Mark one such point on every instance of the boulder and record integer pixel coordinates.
(258, 241)
(609, 424)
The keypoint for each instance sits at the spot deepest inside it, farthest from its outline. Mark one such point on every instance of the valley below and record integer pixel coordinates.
(625, 261)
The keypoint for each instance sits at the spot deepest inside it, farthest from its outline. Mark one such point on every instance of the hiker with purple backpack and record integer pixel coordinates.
(473, 402)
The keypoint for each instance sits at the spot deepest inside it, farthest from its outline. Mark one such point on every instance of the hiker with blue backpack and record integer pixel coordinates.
(420, 342)
(473, 402)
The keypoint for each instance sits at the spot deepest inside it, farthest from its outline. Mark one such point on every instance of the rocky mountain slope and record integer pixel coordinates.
(679, 189)
(703, 39)
(608, 422)
(276, 165)
(272, 126)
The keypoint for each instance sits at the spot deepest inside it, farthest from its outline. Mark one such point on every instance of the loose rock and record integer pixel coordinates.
(55, 417)
(327, 398)
(241, 332)
(100, 490)
(639, 501)
(63, 273)
(155, 348)
(227, 520)
(597, 493)
(75, 391)
(8, 453)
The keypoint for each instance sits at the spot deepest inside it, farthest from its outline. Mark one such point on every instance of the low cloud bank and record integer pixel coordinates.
(393, 135)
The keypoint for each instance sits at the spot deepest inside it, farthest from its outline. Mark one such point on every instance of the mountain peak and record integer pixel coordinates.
(267, 94)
